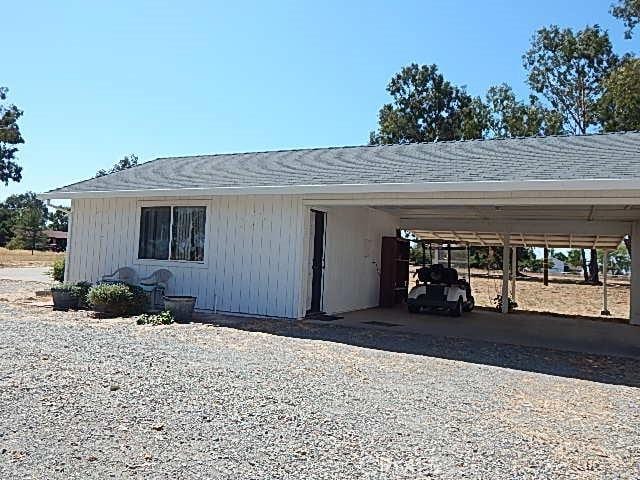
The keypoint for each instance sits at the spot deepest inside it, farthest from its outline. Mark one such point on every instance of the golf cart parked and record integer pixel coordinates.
(438, 288)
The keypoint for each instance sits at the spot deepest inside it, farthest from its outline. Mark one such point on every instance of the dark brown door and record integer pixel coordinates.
(318, 261)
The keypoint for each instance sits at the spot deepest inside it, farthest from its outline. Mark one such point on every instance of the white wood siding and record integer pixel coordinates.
(253, 258)
(352, 257)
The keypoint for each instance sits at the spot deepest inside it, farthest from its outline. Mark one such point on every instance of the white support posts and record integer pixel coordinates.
(605, 268)
(505, 273)
(545, 267)
(634, 314)
(514, 266)
(67, 253)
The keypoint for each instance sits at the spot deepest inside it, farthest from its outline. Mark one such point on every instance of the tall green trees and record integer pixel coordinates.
(620, 101)
(23, 217)
(59, 221)
(6, 226)
(629, 12)
(568, 68)
(426, 107)
(17, 202)
(510, 117)
(11, 209)
(583, 87)
(28, 230)
(9, 137)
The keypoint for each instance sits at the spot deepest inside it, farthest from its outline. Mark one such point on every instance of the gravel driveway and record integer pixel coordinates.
(88, 398)
(26, 274)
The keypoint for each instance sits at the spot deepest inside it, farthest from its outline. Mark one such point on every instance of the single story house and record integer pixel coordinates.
(281, 233)
(56, 240)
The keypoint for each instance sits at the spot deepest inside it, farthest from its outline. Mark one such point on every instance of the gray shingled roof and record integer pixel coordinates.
(603, 156)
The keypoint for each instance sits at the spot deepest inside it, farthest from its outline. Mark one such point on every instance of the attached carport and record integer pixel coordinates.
(600, 227)
(551, 218)
(548, 214)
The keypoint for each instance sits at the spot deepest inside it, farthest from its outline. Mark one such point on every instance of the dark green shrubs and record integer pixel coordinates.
(117, 299)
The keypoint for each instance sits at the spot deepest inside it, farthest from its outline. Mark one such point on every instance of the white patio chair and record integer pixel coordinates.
(122, 275)
(155, 286)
